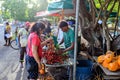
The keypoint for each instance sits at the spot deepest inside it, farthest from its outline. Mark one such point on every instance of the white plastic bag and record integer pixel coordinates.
(8, 35)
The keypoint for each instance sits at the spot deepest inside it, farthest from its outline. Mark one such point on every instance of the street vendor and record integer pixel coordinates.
(68, 38)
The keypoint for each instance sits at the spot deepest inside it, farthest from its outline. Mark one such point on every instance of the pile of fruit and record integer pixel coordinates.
(53, 55)
(109, 61)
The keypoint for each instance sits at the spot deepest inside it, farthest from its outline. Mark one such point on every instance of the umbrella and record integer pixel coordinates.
(66, 7)
(48, 13)
(63, 4)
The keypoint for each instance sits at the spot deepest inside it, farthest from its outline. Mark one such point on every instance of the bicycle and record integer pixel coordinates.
(15, 44)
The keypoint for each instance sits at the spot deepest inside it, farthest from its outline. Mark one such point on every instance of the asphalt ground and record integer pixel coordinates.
(9, 61)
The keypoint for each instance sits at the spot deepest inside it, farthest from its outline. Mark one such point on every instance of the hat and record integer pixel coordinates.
(27, 24)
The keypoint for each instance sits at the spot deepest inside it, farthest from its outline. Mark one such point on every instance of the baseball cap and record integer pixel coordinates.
(27, 24)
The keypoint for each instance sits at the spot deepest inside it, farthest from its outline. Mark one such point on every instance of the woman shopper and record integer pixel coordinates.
(34, 50)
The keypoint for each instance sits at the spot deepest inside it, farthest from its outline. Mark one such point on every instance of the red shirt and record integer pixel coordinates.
(34, 39)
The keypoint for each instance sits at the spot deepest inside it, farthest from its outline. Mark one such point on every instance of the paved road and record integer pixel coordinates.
(9, 62)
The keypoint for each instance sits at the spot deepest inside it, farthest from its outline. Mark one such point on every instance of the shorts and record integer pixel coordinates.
(32, 67)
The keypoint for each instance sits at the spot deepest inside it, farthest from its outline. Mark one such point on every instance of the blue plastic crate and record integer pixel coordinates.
(84, 70)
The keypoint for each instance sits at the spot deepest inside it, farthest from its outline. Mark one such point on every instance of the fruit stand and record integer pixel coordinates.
(56, 63)
(46, 76)
(60, 70)
(111, 68)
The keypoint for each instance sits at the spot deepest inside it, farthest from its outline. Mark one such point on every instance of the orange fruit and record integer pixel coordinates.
(42, 71)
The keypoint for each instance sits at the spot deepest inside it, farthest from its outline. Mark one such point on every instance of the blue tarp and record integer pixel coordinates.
(63, 4)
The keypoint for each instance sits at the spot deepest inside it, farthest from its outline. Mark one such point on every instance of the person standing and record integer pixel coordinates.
(7, 34)
(34, 50)
(48, 29)
(68, 39)
(22, 38)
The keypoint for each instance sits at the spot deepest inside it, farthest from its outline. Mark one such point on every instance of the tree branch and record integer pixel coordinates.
(94, 11)
(101, 10)
(108, 14)
(100, 2)
(94, 6)
(117, 19)
(84, 11)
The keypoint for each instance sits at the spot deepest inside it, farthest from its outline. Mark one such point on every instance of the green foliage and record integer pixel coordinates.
(109, 7)
(19, 9)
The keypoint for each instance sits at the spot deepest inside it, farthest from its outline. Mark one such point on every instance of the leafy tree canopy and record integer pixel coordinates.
(97, 3)
(22, 10)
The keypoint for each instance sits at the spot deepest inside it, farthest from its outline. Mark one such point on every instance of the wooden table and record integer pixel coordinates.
(107, 73)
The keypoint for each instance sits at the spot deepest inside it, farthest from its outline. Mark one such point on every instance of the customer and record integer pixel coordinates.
(22, 38)
(7, 34)
(34, 50)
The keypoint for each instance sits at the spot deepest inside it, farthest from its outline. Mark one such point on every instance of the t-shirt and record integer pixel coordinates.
(23, 37)
(68, 39)
(33, 39)
(8, 29)
(59, 37)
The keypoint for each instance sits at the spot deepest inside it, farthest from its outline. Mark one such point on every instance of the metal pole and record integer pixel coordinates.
(76, 38)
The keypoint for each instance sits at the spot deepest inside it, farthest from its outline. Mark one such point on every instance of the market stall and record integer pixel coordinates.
(48, 13)
(67, 8)
(56, 62)
(60, 70)
(46, 76)
(109, 65)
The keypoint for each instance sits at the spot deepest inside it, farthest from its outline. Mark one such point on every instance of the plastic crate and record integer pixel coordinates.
(84, 70)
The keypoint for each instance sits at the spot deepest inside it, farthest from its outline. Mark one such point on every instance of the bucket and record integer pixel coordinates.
(84, 70)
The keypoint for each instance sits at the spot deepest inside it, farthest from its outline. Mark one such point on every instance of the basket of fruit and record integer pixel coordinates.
(53, 54)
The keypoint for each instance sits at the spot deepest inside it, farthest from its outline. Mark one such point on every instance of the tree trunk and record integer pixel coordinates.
(96, 34)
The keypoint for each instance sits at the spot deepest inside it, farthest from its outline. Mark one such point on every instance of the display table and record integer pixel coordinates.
(107, 73)
(46, 76)
(61, 69)
(66, 63)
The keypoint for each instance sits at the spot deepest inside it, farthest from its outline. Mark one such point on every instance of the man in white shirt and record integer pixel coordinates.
(22, 37)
